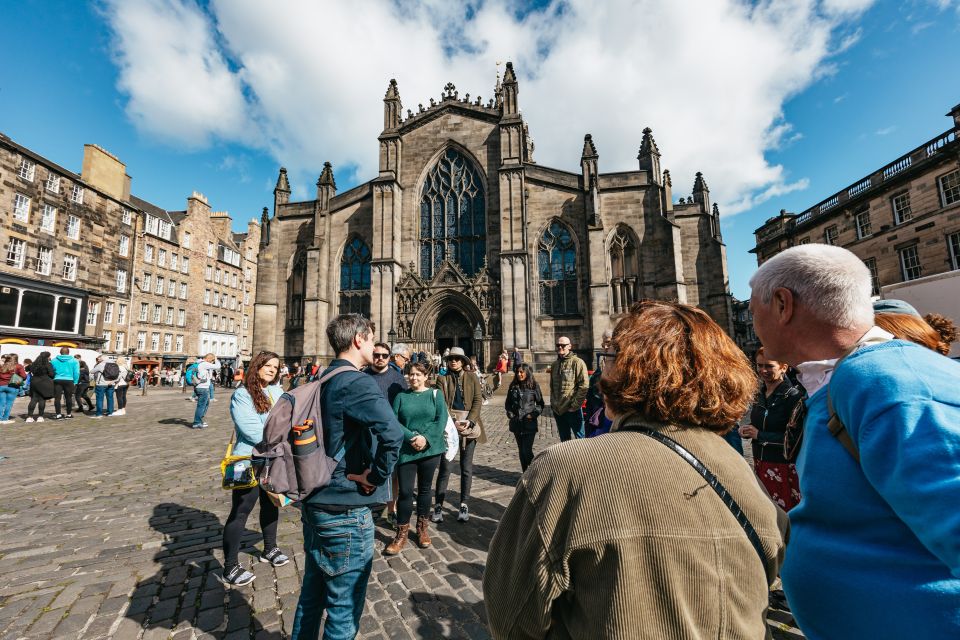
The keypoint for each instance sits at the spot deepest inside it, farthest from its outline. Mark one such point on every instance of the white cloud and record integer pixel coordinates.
(305, 80)
(885, 131)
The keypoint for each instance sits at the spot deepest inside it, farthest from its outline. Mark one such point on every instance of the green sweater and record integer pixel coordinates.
(421, 413)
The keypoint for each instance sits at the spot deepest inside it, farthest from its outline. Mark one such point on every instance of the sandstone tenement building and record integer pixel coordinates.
(902, 220)
(463, 239)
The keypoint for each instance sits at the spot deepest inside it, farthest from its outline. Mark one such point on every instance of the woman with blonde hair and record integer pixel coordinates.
(658, 528)
(120, 390)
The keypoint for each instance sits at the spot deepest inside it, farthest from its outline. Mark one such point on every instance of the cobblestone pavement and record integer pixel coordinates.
(116, 533)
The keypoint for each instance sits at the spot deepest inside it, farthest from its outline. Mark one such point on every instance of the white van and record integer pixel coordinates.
(31, 351)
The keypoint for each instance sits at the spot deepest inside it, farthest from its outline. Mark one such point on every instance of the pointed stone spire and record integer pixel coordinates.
(701, 193)
(715, 218)
(649, 156)
(326, 176)
(589, 149)
(392, 108)
(264, 228)
(667, 201)
(509, 89)
(699, 184)
(326, 186)
(281, 193)
(667, 181)
(588, 162)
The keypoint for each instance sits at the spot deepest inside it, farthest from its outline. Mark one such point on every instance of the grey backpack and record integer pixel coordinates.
(291, 459)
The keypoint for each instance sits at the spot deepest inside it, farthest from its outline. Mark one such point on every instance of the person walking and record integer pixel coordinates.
(464, 398)
(568, 389)
(10, 371)
(523, 405)
(66, 375)
(622, 536)
(105, 374)
(83, 386)
(204, 377)
(503, 361)
(338, 531)
(775, 403)
(41, 385)
(876, 532)
(121, 386)
(516, 359)
(249, 407)
(422, 413)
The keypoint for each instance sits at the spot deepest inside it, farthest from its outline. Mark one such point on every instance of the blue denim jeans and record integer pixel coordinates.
(570, 423)
(7, 396)
(103, 391)
(339, 549)
(203, 400)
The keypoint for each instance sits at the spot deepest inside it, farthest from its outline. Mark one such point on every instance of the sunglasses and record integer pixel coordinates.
(381, 355)
(562, 346)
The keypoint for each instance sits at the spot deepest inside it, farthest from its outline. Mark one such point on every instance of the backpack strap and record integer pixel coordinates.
(326, 378)
(838, 430)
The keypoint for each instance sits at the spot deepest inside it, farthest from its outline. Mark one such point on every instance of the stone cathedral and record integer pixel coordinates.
(464, 240)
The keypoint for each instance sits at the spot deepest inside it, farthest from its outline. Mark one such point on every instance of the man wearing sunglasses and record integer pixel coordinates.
(568, 388)
(388, 377)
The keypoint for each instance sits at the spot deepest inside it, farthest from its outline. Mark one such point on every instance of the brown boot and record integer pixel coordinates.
(398, 542)
(423, 535)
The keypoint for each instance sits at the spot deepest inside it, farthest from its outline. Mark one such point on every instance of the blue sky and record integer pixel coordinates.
(780, 105)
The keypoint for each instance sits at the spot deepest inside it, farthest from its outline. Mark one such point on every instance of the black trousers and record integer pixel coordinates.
(80, 395)
(466, 473)
(525, 445)
(121, 393)
(243, 502)
(66, 388)
(420, 472)
(36, 400)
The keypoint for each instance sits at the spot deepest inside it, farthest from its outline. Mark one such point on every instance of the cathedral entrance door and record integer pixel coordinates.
(453, 330)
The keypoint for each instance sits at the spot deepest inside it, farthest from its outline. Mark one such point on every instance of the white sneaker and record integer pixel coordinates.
(40, 419)
(6, 421)
(29, 420)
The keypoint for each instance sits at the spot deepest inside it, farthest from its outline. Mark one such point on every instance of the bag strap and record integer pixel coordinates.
(714, 483)
(325, 378)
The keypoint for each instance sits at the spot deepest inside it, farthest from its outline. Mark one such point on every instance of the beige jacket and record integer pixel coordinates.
(618, 537)
(569, 382)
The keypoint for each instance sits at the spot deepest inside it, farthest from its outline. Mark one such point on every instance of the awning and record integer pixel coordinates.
(145, 363)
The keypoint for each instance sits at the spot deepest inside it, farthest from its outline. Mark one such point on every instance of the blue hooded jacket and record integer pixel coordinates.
(66, 367)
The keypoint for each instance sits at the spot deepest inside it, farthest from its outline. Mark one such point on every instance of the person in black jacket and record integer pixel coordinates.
(768, 423)
(41, 385)
(80, 393)
(524, 404)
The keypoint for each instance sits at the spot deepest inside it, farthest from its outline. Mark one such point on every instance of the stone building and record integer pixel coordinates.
(463, 240)
(68, 249)
(902, 220)
(190, 295)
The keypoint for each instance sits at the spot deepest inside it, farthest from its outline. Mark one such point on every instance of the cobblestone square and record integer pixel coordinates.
(116, 533)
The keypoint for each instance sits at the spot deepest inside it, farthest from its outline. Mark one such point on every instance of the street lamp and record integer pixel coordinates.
(391, 336)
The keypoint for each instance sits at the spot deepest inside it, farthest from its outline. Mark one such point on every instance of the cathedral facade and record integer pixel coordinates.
(464, 240)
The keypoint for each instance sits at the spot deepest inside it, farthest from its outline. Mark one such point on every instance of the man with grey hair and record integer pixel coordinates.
(875, 541)
(400, 356)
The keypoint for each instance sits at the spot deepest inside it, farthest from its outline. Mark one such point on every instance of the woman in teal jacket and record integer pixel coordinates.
(249, 407)
(422, 413)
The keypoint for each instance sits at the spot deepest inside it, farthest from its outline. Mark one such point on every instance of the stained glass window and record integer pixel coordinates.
(297, 288)
(557, 268)
(624, 284)
(355, 278)
(452, 216)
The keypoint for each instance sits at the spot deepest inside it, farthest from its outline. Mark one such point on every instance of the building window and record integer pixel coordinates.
(557, 264)
(211, 249)
(186, 240)
(355, 278)
(297, 289)
(235, 281)
(73, 227)
(92, 311)
(21, 208)
(223, 323)
(27, 169)
(216, 298)
(16, 252)
(624, 268)
(148, 253)
(121, 280)
(159, 288)
(231, 326)
(164, 230)
(181, 317)
(141, 340)
(245, 319)
(953, 241)
(147, 282)
(157, 310)
(154, 341)
(910, 263)
(107, 336)
(174, 261)
(169, 315)
(69, 267)
(108, 313)
(121, 313)
(121, 339)
(864, 228)
(77, 195)
(452, 216)
(53, 183)
(902, 212)
(246, 297)
(179, 348)
(208, 273)
(126, 216)
(233, 303)
(830, 234)
(144, 310)
(162, 258)
(247, 274)
(48, 222)
(124, 246)
(44, 260)
(950, 188)
(151, 225)
(171, 288)
(183, 290)
(185, 265)
(217, 277)
(206, 321)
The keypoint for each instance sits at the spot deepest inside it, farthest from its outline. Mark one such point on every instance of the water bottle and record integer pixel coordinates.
(305, 438)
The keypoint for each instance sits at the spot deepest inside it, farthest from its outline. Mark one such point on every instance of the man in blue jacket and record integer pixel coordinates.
(337, 519)
(875, 541)
(66, 374)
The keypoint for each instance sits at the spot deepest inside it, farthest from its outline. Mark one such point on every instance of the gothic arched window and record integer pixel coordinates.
(557, 262)
(624, 271)
(355, 278)
(452, 216)
(297, 288)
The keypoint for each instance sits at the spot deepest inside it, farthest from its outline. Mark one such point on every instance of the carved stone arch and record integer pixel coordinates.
(450, 143)
(424, 322)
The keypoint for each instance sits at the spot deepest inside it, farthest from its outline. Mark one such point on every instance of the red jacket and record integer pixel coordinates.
(5, 377)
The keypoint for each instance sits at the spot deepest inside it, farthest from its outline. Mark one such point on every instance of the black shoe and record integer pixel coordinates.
(275, 557)
(236, 577)
(59, 416)
(69, 416)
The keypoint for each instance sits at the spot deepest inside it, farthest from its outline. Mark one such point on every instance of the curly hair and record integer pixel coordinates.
(913, 329)
(944, 326)
(253, 383)
(676, 365)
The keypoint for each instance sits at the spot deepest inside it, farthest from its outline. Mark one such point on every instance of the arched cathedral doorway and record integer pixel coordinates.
(453, 330)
